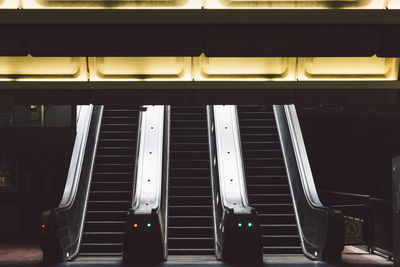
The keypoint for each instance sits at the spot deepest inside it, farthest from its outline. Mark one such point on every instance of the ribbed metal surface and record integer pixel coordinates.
(190, 222)
(267, 183)
(111, 188)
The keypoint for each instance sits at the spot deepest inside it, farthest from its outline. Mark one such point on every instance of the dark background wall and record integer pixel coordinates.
(36, 169)
(350, 150)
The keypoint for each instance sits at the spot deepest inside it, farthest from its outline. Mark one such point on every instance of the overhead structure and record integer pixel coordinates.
(200, 52)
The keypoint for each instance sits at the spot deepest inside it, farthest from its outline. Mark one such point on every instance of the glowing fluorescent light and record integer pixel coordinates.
(8, 4)
(335, 4)
(245, 68)
(394, 4)
(348, 68)
(198, 68)
(186, 4)
(140, 68)
(16, 68)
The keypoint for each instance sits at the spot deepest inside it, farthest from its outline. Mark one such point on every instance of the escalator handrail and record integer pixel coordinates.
(72, 214)
(320, 227)
(236, 198)
(82, 130)
(303, 163)
(147, 196)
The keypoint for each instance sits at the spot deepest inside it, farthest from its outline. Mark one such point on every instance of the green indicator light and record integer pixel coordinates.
(250, 224)
(240, 224)
(148, 224)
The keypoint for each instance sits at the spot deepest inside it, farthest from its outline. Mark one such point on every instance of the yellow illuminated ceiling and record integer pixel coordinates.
(375, 4)
(394, 4)
(8, 4)
(68, 68)
(245, 68)
(197, 68)
(112, 4)
(335, 4)
(342, 68)
(140, 68)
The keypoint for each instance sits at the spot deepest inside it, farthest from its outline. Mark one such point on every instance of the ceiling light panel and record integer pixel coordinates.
(334, 4)
(244, 68)
(140, 68)
(43, 68)
(394, 4)
(111, 4)
(348, 68)
(8, 3)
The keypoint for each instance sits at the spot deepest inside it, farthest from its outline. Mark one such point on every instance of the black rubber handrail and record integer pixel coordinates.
(146, 228)
(62, 227)
(321, 228)
(232, 242)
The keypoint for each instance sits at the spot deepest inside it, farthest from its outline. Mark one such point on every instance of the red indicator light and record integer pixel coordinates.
(43, 226)
(135, 225)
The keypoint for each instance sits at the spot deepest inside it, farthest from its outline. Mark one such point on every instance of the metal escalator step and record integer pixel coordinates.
(117, 134)
(266, 180)
(190, 200)
(268, 189)
(262, 153)
(114, 142)
(190, 220)
(265, 170)
(288, 218)
(188, 163)
(190, 231)
(112, 186)
(189, 190)
(256, 162)
(104, 226)
(267, 208)
(112, 183)
(282, 250)
(184, 172)
(93, 205)
(119, 119)
(261, 145)
(116, 167)
(189, 181)
(270, 198)
(190, 210)
(110, 195)
(194, 242)
(101, 215)
(104, 237)
(115, 159)
(127, 150)
(190, 251)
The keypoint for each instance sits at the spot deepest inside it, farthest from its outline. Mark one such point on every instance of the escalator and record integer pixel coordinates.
(267, 182)
(190, 213)
(110, 192)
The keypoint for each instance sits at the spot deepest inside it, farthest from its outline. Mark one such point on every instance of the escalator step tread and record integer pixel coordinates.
(112, 183)
(190, 224)
(267, 183)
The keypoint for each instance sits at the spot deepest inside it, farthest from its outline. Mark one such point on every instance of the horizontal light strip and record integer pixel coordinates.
(335, 4)
(197, 69)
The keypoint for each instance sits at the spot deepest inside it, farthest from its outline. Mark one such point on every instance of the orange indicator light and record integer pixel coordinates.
(135, 225)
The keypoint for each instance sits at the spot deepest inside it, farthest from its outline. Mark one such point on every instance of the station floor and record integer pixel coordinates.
(31, 255)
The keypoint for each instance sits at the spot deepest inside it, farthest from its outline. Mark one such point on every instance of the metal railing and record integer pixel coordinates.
(62, 227)
(321, 228)
(146, 234)
(236, 224)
